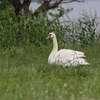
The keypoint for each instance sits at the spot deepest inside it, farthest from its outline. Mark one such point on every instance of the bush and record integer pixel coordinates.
(83, 30)
(27, 30)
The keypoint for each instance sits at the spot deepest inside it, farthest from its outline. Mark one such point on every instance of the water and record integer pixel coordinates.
(89, 6)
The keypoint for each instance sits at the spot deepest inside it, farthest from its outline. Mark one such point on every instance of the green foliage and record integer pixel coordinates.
(25, 31)
(14, 32)
(3, 4)
(34, 30)
(83, 30)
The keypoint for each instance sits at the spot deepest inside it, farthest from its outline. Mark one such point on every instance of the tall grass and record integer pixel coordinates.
(82, 31)
(27, 30)
(26, 75)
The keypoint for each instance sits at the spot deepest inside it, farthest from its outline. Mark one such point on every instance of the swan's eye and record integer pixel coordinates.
(50, 34)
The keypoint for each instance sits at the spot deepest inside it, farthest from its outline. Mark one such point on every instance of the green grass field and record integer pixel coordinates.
(26, 75)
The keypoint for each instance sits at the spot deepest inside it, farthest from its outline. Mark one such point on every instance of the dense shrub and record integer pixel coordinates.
(14, 32)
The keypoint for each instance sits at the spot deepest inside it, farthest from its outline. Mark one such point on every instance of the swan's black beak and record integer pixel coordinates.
(48, 37)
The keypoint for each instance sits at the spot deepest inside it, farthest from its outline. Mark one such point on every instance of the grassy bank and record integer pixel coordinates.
(24, 71)
(26, 75)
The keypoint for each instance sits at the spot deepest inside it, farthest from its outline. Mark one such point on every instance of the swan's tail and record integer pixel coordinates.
(79, 61)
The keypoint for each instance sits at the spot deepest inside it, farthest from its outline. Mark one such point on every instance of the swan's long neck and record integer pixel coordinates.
(55, 48)
(55, 45)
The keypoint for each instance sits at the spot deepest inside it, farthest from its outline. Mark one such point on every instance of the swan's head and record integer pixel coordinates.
(51, 35)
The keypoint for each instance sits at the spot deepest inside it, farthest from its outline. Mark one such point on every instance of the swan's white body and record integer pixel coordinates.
(65, 57)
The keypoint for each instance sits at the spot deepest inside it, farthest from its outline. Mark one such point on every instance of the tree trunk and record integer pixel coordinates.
(18, 6)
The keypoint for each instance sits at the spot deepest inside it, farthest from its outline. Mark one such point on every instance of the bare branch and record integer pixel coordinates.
(73, 1)
(47, 5)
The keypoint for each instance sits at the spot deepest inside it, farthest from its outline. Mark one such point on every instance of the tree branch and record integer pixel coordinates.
(25, 6)
(73, 1)
(47, 6)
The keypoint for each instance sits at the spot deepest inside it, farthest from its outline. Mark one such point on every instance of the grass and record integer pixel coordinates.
(24, 71)
(26, 75)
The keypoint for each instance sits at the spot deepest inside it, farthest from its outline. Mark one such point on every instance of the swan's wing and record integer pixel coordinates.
(68, 57)
(69, 54)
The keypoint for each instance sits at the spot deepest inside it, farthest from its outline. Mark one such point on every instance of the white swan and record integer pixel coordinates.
(65, 57)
